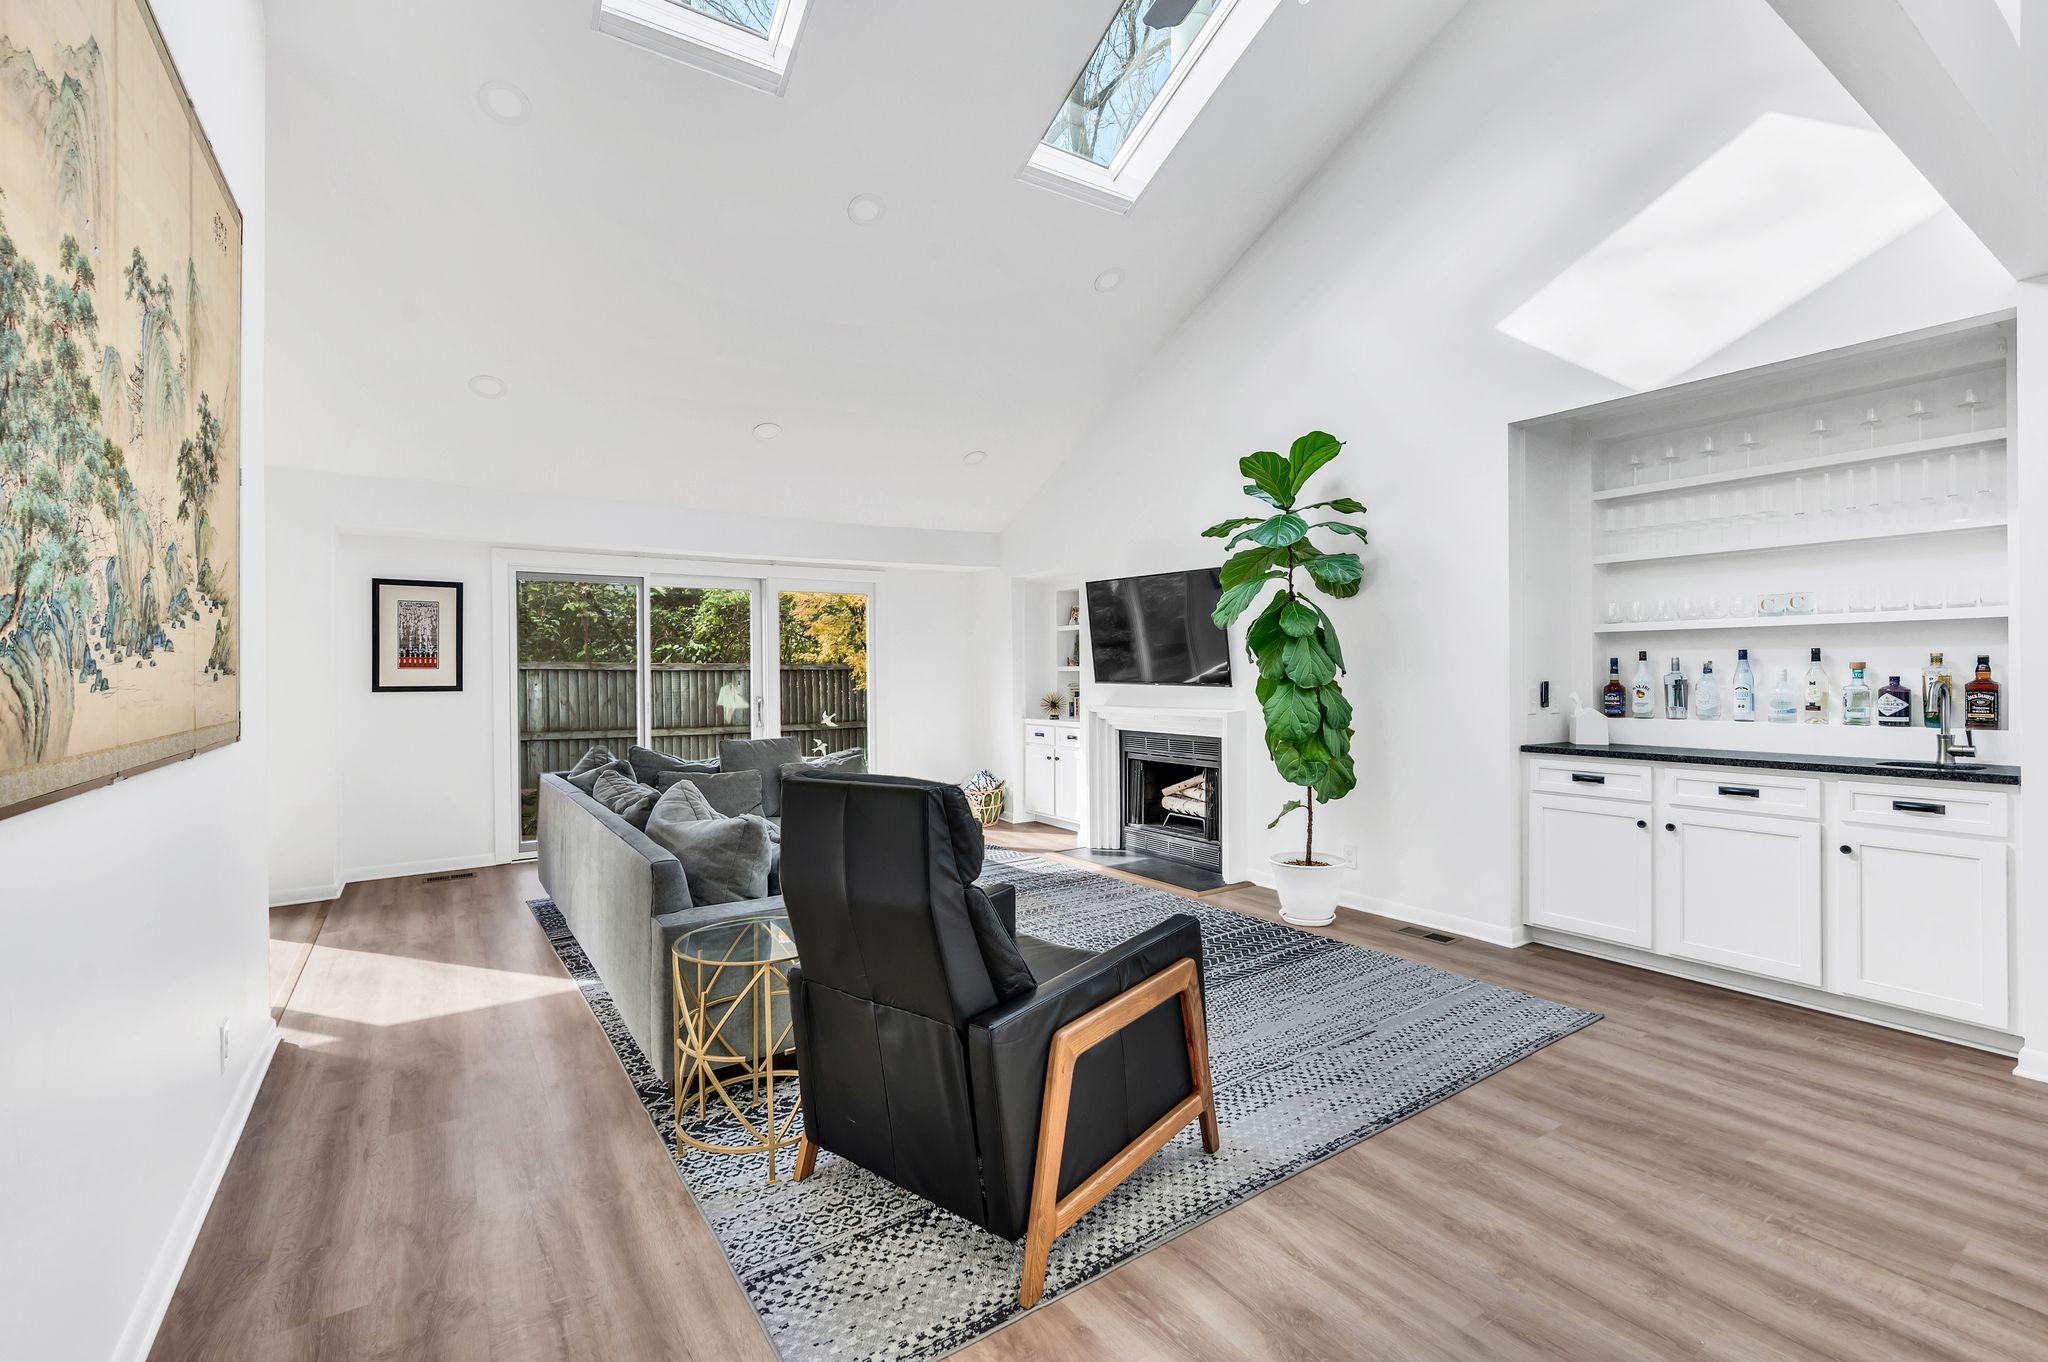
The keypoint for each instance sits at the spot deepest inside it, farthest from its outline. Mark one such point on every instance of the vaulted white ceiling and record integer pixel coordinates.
(655, 260)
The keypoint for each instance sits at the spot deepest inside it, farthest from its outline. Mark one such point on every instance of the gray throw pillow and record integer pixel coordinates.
(586, 781)
(583, 775)
(648, 765)
(681, 802)
(725, 860)
(731, 793)
(765, 755)
(625, 796)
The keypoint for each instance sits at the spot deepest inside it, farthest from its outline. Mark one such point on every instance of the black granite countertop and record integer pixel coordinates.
(1982, 773)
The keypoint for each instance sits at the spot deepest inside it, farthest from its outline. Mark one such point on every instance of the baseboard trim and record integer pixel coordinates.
(312, 893)
(439, 865)
(1492, 933)
(2033, 1064)
(155, 1300)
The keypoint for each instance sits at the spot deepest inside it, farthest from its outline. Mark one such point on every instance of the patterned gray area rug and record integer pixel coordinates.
(1314, 1045)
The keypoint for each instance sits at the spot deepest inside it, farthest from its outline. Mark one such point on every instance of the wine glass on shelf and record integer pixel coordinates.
(1708, 451)
(1671, 457)
(1870, 422)
(1917, 414)
(1970, 403)
(1749, 445)
(1819, 435)
(1635, 467)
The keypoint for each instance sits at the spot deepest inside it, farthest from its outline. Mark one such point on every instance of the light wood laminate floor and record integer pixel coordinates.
(446, 1162)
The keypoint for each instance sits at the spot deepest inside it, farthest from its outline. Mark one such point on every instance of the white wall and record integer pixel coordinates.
(134, 919)
(372, 785)
(1522, 138)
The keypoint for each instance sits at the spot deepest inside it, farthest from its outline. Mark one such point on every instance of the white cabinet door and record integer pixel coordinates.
(1041, 779)
(1921, 920)
(1589, 867)
(1741, 891)
(1066, 783)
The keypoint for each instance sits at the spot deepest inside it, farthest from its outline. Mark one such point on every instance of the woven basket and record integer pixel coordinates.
(987, 805)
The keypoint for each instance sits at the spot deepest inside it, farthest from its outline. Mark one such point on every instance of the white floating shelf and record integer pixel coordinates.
(1065, 628)
(1985, 612)
(1074, 668)
(1812, 464)
(1861, 537)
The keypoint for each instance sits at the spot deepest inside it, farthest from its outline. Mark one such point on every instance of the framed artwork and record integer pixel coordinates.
(415, 635)
(120, 452)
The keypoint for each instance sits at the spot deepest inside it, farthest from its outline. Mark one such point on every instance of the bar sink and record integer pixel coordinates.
(1935, 765)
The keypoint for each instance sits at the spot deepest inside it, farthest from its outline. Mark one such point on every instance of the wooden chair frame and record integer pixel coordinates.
(1051, 1214)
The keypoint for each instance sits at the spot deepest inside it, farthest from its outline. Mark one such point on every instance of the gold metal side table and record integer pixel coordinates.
(730, 985)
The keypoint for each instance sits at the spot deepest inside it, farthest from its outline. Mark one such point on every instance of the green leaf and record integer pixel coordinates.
(1299, 766)
(1224, 527)
(1275, 533)
(1327, 636)
(1343, 527)
(1298, 618)
(1341, 505)
(1289, 807)
(1337, 573)
(1238, 599)
(1252, 563)
(1336, 709)
(1265, 641)
(1292, 714)
(1340, 779)
(1308, 454)
(1307, 665)
(1254, 490)
(1271, 474)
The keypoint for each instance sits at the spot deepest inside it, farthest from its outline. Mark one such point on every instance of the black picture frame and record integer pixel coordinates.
(377, 589)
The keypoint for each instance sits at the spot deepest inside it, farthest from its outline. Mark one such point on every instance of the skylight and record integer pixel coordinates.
(750, 41)
(1786, 206)
(1156, 65)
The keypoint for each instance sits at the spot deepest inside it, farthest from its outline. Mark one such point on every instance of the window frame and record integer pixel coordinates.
(697, 39)
(1223, 41)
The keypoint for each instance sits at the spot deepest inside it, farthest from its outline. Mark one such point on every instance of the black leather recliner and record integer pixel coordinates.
(938, 1049)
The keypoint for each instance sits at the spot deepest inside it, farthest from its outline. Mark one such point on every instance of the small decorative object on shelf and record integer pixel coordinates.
(1074, 613)
(1053, 703)
(984, 791)
(1073, 702)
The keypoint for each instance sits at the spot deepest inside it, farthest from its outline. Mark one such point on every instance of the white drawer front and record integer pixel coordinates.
(1742, 791)
(1070, 737)
(1979, 810)
(1039, 733)
(1590, 779)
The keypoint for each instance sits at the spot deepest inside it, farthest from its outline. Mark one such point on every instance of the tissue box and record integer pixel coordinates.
(1589, 728)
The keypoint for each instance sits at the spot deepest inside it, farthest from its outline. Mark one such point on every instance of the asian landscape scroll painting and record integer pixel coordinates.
(120, 401)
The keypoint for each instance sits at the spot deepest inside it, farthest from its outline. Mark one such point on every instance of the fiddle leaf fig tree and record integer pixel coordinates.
(1292, 641)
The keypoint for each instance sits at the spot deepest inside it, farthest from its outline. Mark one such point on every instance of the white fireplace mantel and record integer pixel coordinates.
(1104, 826)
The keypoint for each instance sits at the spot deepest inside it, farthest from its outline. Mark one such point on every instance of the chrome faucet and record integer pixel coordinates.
(1949, 748)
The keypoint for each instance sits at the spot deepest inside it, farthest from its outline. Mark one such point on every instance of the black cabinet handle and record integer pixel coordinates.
(1746, 791)
(1582, 778)
(1848, 850)
(1671, 827)
(1918, 806)
(1641, 824)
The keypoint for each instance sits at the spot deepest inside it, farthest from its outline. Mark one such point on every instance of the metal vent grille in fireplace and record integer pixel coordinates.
(1194, 750)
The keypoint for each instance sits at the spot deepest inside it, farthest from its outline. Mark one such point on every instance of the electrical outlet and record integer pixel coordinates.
(1351, 854)
(223, 1044)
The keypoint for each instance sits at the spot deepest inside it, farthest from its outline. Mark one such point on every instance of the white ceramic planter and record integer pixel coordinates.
(1308, 893)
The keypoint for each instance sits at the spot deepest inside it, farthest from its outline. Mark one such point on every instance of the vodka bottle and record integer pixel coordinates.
(1675, 689)
(1784, 698)
(1745, 689)
(1706, 697)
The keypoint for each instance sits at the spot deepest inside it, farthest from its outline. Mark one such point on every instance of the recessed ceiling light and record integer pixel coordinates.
(1108, 280)
(974, 456)
(487, 385)
(767, 430)
(864, 209)
(503, 101)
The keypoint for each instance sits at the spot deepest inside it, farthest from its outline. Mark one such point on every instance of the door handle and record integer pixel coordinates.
(1744, 791)
(1671, 827)
(1848, 850)
(1582, 778)
(1641, 824)
(1918, 806)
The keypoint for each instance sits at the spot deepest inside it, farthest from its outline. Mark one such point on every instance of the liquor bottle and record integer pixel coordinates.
(1745, 689)
(1675, 691)
(1980, 697)
(1642, 694)
(1894, 706)
(1784, 698)
(1856, 698)
(1815, 710)
(1706, 697)
(1614, 697)
(1931, 681)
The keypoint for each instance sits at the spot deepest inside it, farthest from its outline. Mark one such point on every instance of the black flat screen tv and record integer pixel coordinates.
(1157, 630)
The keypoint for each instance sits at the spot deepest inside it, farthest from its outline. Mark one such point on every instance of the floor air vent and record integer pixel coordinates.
(443, 879)
(1426, 934)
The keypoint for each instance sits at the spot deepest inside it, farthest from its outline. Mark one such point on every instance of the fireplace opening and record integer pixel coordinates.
(1173, 797)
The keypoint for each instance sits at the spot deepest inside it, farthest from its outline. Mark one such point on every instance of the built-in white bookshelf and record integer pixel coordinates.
(1872, 484)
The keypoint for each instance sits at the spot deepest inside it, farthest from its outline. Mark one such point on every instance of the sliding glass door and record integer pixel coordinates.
(679, 664)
